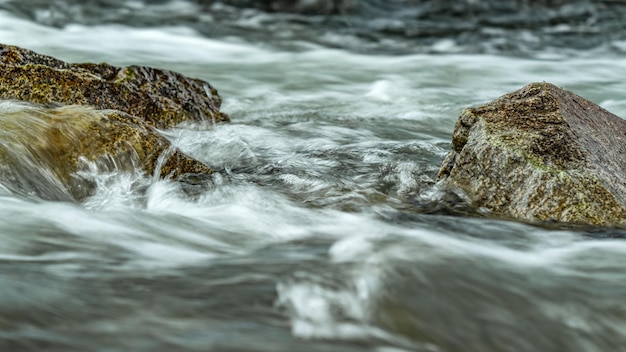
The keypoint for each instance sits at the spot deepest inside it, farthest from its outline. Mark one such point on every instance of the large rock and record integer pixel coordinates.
(541, 154)
(93, 116)
(160, 97)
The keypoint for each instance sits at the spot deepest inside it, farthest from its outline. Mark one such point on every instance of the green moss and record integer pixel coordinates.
(128, 74)
(160, 97)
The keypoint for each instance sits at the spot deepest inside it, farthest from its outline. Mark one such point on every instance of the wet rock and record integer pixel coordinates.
(541, 154)
(43, 151)
(94, 116)
(162, 98)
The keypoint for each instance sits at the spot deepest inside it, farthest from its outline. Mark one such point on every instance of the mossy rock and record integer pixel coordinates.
(541, 154)
(43, 150)
(160, 97)
(58, 118)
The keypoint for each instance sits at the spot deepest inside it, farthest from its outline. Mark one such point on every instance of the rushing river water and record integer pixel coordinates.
(324, 229)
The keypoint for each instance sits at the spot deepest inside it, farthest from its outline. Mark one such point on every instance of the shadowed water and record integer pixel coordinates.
(516, 27)
(323, 229)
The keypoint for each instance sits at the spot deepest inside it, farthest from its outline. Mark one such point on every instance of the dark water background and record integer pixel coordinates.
(518, 27)
(324, 229)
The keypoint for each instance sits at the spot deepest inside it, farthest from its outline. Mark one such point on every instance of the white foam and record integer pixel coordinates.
(380, 90)
(122, 44)
(319, 312)
(446, 46)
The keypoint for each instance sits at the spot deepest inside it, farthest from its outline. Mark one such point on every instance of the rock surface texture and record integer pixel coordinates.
(541, 154)
(93, 116)
(162, 98)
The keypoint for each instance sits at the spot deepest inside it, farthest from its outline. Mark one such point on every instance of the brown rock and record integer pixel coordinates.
(93, 114)
(43, 150)
(541, 154)
(160, 97)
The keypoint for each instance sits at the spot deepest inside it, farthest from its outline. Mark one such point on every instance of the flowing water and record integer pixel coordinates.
(324, 229)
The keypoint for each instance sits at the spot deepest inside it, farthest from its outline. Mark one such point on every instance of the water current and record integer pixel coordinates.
(323, 229)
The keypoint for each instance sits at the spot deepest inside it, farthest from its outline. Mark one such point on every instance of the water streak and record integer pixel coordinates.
(322, 227)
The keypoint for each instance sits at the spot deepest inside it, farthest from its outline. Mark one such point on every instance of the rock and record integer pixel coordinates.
(92, 116)
(160, 97)
(43, 150)
(541, 154)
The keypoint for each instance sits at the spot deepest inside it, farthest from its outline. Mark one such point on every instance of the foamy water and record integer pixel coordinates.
(320, 232)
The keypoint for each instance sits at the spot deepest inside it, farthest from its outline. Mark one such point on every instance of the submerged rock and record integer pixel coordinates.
(160, 97)
(541, 154)
(43, 150)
